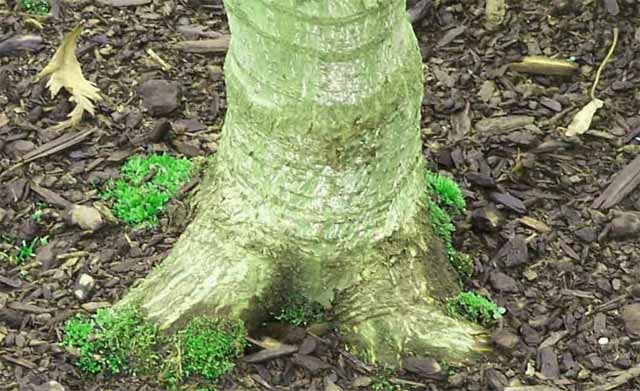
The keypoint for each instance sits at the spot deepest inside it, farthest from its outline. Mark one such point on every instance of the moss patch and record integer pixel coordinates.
(36, 7)
(447, 201)
(123, 342)
(299, 311)
(144, 187)
(475, 308)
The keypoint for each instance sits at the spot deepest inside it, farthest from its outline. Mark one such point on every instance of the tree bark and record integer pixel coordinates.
(318, 186)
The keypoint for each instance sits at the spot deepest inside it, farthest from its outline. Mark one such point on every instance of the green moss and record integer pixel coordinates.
(298, 310)
(111, 342)
(475, 308)
(446, 192)
(144, 187)
(446, 201)
(205, 348)
(123, 342)
(36, 7)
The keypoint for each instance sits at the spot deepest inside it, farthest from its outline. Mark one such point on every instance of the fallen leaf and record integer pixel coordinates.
(582, 120)
(64, 70)
(541, 65)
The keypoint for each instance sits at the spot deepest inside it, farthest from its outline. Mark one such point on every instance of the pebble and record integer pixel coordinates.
(503, 282)
(86, 217)
(159, 97)
(86, 283)
(505, 339)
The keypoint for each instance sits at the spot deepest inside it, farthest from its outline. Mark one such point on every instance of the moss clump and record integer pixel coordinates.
(144, 187)
(206, 348)
(123, 342)
(475, 308)
(447, 201)
(113, 342)
(36, 7)
(298, 310)
(446, 192)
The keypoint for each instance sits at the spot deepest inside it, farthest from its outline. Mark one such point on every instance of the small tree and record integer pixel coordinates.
(318, 187)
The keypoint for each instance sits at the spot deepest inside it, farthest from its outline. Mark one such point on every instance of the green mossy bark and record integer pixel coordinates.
(319, 185)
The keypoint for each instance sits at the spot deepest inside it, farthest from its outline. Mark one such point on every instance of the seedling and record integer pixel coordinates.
(145, 185)
(37, 214)
(475, 308)
(36, 7)
(27, 250)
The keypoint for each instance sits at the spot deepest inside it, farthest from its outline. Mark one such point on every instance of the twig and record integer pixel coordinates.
(604, 63)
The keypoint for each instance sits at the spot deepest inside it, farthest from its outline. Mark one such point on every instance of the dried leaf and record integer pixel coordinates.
(541, 65)
(64, 70)
(582, 120)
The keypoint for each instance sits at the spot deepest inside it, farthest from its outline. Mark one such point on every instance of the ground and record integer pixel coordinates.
(568, 288)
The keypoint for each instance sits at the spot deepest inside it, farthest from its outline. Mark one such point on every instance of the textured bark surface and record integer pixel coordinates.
(318, 186)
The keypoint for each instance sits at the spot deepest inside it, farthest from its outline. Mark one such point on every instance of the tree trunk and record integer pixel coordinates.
(318, 186)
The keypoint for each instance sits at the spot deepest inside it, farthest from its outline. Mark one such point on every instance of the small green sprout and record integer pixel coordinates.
(27, 250)
(475, 308)
(36, 7)
(146, 184)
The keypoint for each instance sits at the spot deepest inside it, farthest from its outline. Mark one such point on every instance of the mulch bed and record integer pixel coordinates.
(545, 248)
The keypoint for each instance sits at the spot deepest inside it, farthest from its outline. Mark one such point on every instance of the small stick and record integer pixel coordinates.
(604, 63)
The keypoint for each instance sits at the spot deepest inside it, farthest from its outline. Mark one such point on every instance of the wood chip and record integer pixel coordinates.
(535, 224)
(19, 361)
(216, 45)
(124, 3)
(24, 307)
(623, 184)
(9, 282)
(50, 196)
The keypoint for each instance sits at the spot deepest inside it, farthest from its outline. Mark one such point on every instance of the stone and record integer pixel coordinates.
(85, 286)
(487, 218)
(270, 354)
(505, 339)
(423, 366)
(159, 97)
(503, 282)
(21, 147)
(95, 305)
(362, 382)
(86, 217)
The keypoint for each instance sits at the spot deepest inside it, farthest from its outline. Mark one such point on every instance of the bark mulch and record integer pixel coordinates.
(552, 245)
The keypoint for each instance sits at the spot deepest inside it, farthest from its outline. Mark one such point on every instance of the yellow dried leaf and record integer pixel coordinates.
(64, 70)
(582, 120)
(540, 65)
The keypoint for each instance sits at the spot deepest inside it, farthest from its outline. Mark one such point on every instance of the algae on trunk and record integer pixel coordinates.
(318, 185)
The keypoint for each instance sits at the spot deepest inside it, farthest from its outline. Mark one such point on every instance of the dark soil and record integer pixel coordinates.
(542, 250)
